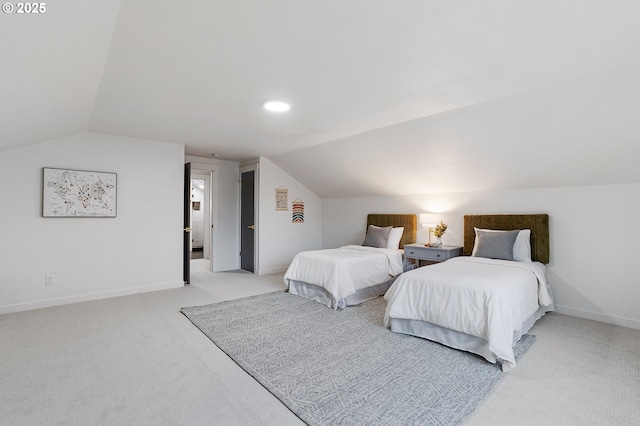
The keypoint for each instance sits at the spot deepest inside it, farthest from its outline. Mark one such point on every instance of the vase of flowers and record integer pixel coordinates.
(438, 232)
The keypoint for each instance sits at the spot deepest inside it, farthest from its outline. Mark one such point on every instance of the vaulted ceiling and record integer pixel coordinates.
(388, 97)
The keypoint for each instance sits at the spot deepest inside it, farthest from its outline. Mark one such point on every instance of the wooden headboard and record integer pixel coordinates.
(409, 221)
(538, 223)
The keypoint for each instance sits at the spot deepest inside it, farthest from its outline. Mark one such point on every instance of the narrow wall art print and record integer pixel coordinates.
(297, 215)
(282, 195)
(78, 193)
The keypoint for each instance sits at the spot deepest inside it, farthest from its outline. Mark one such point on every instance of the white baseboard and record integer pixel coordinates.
(268, 271)
(597, 316)
(47, 303)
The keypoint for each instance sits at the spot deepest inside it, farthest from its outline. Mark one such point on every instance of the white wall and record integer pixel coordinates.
(90, 258)
(279, 240)
(594, 236)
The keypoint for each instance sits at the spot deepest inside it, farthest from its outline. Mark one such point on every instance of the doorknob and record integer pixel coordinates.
(251, 227)
(187, 229)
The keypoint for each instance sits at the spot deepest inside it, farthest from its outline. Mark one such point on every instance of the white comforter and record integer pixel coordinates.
(345, 270)
(485, 298)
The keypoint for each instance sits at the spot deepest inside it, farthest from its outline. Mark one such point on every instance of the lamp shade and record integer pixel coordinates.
(428, 220)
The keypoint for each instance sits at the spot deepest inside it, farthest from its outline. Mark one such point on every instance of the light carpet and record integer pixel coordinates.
(344, 367)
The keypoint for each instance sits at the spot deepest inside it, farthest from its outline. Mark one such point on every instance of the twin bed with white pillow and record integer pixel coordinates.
(352, 274)
(483, 303)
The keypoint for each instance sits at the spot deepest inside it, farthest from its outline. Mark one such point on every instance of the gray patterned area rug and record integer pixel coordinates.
(344, 367)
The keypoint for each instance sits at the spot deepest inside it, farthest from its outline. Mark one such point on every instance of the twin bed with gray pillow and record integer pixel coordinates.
(352, 274)
(482, 303)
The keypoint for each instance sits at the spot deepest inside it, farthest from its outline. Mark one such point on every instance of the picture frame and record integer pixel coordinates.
(79, 193)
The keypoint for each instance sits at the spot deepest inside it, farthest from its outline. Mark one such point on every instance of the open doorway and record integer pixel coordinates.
(200, 218)
(201, 221)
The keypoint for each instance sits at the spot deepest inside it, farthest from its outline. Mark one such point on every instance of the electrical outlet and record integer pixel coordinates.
(49, 279)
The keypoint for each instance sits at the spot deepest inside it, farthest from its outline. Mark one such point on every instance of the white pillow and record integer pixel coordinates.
(521, 248)
(393, 242)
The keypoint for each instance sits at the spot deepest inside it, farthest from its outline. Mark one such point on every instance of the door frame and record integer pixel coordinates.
(186, 222)
(256, 217)
(214, 172)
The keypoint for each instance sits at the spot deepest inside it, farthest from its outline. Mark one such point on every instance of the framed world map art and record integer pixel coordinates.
(78, 193)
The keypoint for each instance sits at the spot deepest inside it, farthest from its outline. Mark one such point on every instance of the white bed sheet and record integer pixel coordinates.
(345, 270)
(486, 298)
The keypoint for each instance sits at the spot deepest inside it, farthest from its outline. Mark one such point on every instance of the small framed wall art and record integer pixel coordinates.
(78, 193)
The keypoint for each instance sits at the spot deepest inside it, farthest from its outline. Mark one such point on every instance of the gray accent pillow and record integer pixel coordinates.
(377, 236)
(496, 245)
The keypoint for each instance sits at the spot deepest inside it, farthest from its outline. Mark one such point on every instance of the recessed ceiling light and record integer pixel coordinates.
(277, 106)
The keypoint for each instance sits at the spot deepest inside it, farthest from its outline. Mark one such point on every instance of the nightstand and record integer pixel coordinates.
(432, 254)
